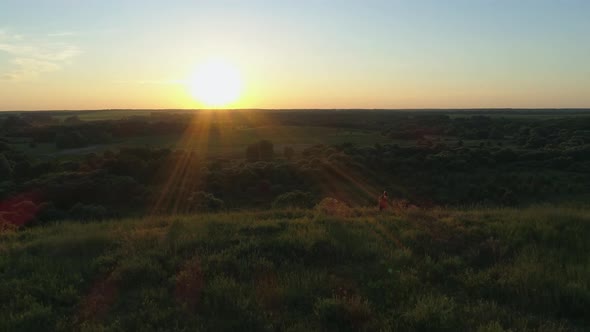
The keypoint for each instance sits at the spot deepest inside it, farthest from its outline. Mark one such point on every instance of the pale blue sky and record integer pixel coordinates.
(297, 54)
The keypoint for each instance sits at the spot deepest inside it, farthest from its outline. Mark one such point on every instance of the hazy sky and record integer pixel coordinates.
(94, 54)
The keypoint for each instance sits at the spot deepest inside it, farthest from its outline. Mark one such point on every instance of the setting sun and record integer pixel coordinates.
(215, 84)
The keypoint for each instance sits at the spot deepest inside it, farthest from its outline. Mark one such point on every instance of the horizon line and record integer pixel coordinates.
(308, 109)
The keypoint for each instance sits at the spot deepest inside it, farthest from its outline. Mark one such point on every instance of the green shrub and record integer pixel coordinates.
(433, 313)
(227, 309)
(205, 202)
(5, 168)
(343, 313)
(138, 271)
(491, 327)
(332, 207)
(293, 199)
(87, 212)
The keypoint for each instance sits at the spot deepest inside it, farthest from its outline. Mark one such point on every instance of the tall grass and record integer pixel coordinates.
(293, 270)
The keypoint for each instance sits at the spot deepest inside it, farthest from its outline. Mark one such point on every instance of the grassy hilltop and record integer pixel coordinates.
(303, 270)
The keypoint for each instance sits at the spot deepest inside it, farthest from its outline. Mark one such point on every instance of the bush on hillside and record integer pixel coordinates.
(343, 313)
(333, 207)
(433, 313)
(87, 212)
(48, 212)
(18, 212)
(5, 168)
(294, 199)
(205, 202)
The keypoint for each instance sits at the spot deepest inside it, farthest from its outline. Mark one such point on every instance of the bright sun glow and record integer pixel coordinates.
(215, 84)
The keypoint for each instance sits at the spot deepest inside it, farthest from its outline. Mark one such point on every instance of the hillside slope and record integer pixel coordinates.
(299, 270)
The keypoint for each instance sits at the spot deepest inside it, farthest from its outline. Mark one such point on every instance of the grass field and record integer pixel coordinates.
(303, 270)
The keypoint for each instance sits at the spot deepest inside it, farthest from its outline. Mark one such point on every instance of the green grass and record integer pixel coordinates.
(301, 270)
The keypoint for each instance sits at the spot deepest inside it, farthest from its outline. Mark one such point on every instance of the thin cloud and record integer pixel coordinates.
(161, 82)
(152, 82)
(27, 68)
(32, 57)
(62, 34)
(16, 49)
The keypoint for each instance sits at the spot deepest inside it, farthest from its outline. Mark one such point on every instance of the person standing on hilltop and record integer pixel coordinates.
(383, 201)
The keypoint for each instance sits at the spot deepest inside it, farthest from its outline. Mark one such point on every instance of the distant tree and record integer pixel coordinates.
(70, 140)
(69, 166)
(98, 137)
(108, 154)
(13, 122)
(22, 170)
(72, 120)
(86, 212)
(266, 150)
(508, 197)
(48, 212)
(535, 141)
(424, 143)
(495, 134)
(4, 146)
(264, 187)
(204, 202)
(297, 198)
(252, 152)
(5, 168)
(288, 152)
(262, 150)
(215, 131)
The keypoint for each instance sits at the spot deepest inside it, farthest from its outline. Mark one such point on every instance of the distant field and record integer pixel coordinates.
(233, 143)
(230, 142)
(523, 115)
(103, 115)
(97, 115)
(303, 270)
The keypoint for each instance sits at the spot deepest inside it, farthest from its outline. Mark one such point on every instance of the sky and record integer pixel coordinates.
(105, 54)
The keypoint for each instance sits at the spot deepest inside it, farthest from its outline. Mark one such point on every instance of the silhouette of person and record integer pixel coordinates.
(383, 201)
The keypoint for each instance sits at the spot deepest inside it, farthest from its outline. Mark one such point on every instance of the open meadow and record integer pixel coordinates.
(330, 268)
